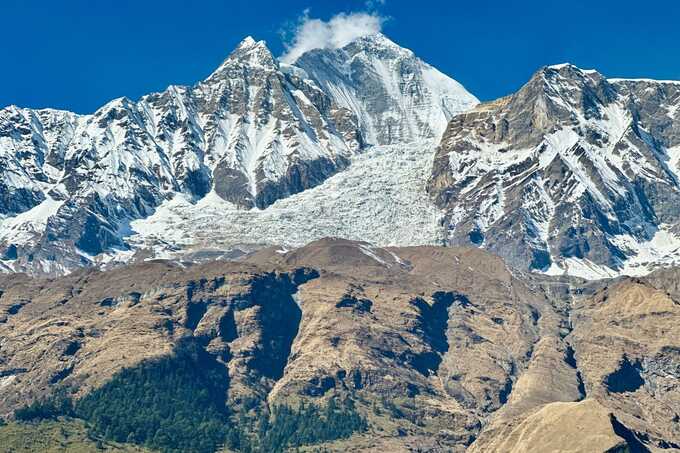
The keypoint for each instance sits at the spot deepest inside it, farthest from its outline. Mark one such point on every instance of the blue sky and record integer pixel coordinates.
(78, 54)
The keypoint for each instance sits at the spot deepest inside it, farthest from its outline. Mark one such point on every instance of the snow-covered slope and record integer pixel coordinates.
(380, 199)
(397, 97)
(244, 130)
(254, 132)
(32, 148)
(573, 173)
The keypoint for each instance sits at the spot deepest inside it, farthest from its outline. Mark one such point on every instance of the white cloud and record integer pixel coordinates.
(339, 31)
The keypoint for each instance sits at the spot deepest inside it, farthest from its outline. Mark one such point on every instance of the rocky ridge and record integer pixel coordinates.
(573, 173)
(442, 349)
(253, 132)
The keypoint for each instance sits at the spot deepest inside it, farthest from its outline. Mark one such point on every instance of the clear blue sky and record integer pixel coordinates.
(78, 54)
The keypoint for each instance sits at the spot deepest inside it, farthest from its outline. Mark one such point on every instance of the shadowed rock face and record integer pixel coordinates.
(442, 349)
(626, 378)
(572, 166)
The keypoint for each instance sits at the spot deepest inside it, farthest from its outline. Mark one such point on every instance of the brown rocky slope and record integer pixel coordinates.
(442, 349)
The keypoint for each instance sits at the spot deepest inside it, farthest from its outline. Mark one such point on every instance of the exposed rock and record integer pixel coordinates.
(442, 349)
(627, 348)
(571, 173)
(388, 327)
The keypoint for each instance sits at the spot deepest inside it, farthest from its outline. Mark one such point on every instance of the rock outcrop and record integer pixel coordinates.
(572, 173)
(442, 349)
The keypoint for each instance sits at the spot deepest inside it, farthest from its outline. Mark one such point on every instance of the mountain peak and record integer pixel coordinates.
(376, 38)
(248, 44)
(560, 66)
(567, 86)
(374, 45)
(247, 41)
(251, 51)
(383, 82)
(248, 52)
(377, 44)
(568, 68)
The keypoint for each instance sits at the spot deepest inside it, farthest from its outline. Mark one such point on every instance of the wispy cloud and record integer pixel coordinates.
(371, 4)
(338, 31)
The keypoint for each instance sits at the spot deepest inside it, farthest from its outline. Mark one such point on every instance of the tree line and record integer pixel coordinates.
(177, 404)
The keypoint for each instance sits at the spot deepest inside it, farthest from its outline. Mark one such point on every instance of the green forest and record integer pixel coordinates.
(177, 404)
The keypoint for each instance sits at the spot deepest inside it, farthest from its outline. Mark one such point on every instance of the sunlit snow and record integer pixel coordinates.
(380, 199)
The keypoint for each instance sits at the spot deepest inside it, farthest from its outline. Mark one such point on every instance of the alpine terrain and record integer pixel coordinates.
(345, 252)
(340, 346)
(573, 173)
(254, 132)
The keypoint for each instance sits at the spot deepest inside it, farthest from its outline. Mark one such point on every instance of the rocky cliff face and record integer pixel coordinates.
(249, 132)
(253, 132)
(573, 173)
(442, 349)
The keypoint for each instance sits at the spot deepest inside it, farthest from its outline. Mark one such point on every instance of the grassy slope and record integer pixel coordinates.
(62, 436)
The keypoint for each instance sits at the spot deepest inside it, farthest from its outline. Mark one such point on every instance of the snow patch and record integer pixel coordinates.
(369, 251)
(24, 228)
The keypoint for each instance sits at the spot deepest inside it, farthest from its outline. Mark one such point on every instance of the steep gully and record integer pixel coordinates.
(278, 317)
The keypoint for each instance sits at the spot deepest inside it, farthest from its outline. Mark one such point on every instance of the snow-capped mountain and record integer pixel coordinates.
(397, 98)
(573, 173)
(254, 132)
